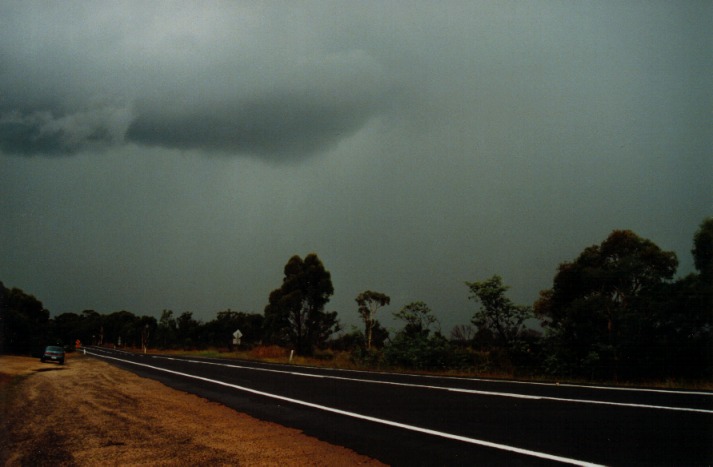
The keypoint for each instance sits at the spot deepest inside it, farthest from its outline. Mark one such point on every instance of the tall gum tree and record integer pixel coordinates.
(295, 313)
(369, 302)
(602, 288)
(497, 313)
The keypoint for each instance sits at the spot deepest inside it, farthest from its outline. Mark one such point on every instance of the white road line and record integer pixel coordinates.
(444, 388)
(501, 381)
(525, 383)
(503, 447)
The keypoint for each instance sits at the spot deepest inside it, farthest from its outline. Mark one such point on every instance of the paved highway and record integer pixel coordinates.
(420, 420)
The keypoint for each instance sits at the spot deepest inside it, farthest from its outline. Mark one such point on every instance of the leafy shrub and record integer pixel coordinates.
(419, 352)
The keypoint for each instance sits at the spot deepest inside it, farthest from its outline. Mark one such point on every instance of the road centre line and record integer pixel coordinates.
(525, 383)
(427, 431)
(444, 388)
(583, 386)
(456, 378)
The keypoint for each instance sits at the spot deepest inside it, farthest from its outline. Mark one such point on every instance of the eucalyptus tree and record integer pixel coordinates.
(497, 313)
(369, 302)
(295, 313)
(419, 320)
(600, 302)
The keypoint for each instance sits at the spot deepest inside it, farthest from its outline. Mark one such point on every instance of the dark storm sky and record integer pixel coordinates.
(174, 155)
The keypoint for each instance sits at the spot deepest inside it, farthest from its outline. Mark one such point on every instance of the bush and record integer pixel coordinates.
(420, 352)
(324, 355)
(361, 356)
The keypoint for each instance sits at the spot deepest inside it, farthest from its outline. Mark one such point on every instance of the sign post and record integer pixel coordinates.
(236, 337)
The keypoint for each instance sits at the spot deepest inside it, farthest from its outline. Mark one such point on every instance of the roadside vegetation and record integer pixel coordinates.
(615, 313)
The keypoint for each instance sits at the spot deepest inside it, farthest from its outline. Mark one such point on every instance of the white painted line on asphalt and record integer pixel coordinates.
(601, 388)
(445, 388)
(503, 447)
(498, 381)
(524, 383)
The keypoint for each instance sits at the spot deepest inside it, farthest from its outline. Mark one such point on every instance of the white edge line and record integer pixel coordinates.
(427, 431)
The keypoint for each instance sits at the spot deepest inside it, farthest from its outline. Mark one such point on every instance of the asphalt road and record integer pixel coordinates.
(420, 420)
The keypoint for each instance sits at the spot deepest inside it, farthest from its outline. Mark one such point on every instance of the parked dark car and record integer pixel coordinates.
(53, 354)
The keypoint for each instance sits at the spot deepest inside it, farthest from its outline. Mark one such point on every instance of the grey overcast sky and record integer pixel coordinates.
(175, 155)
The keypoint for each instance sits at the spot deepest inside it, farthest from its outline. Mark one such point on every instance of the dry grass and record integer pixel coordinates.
(101, 415)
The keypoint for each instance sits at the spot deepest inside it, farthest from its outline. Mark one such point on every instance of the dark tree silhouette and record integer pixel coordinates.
(295, 313)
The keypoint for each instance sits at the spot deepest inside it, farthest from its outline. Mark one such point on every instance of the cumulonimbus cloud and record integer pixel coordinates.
(81, 88)
(289, 118)
(42, 132)
(287, 123)
(204, 87)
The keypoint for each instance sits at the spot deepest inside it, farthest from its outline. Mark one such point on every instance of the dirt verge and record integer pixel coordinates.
(88, 412)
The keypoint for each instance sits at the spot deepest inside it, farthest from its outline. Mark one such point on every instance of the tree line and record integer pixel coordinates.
(613, 312)
(27, 327)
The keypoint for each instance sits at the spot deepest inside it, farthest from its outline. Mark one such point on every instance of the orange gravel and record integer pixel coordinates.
(88, 412)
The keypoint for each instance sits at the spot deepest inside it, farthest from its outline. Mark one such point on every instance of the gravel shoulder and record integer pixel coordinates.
(88, 412)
